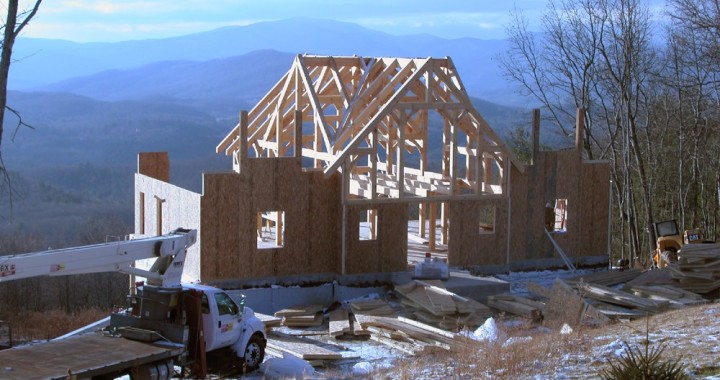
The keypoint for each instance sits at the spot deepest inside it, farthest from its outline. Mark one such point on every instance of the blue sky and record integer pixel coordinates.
(117, 20)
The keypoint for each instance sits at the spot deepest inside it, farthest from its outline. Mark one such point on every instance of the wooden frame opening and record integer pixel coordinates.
(270, 229)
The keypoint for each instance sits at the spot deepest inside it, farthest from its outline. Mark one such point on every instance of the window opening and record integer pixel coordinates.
(487, 220)
(270, 229)
(556, 215)
(368, 224)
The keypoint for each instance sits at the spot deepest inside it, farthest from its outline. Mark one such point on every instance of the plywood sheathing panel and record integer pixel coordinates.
(180, 209)
(230, 205)
(467, 246)
(155, 165)
(387, 253)
(560, 175)
(222, 225)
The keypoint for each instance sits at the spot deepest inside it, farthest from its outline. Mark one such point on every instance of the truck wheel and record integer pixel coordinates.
(254, 353)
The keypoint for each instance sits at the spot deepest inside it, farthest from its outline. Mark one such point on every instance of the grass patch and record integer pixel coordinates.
(43, 325)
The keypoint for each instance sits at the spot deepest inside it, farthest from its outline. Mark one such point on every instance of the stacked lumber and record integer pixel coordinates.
(520, 306)
(301, 316)
(410, 336)
(268, 320)
(621, 298)
(606, 278)
(372, 307)
(698, 269)
(435, 305)
(678, 298)
(306, 349)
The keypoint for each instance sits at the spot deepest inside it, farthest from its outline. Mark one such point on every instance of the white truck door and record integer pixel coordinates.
(222, 320)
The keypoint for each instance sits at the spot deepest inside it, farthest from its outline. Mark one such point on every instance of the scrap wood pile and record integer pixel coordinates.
(410, 336)
(698, 268)
(599, 297)
(301, 316)
(431, 303)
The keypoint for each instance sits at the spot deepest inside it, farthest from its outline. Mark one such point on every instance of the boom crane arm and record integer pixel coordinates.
(120, 256)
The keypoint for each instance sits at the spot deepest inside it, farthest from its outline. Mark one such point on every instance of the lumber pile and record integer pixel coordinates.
(376, 307)
(306, 349)
(268, 320)
(676, 297)
(410, 336)
(517, 305)
(301, 316)
(435, 305)
(698, 269)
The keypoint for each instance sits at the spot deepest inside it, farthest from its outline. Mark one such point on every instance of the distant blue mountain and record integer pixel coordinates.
(42, 62)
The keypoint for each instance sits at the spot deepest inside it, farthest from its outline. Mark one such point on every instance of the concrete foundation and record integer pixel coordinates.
(267, 295)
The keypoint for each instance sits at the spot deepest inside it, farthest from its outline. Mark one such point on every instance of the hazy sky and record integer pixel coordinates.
(116, 20)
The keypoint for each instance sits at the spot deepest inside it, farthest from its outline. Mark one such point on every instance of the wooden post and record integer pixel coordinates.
(535, 136)
(279, 225)
(373, 165)
(297, 149)
(241, 153)
(444, 220)
(579, 129)
(431, 229)
(422, 207)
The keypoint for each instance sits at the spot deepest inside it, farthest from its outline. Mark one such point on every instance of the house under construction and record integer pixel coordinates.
(332, 163)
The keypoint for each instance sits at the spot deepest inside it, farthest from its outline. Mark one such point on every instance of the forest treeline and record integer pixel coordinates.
(650, 92)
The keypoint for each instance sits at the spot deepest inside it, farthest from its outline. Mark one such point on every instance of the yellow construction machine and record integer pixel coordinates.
(669, 241)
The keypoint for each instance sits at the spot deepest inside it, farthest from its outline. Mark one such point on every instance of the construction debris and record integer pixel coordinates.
(301, 316)
(435, 305)
(698, 268)
(517, 305)
(306, 349)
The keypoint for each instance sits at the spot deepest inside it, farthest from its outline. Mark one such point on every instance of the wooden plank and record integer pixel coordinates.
(515, 308)
(302, 349)
(299, 311)
(303, 320)
(609, 295)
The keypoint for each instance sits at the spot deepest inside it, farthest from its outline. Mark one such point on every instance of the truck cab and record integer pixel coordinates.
(200, 317)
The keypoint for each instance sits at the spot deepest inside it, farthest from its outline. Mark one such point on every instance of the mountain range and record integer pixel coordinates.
(94, 106)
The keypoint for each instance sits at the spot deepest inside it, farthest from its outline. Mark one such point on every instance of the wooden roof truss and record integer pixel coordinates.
(370, 119)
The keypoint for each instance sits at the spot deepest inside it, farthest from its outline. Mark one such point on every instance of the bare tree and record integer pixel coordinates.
(15, 21)
(596, 55)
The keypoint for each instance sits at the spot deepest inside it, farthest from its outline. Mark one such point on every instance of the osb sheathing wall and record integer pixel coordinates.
(555, 175)
(313, 222)
(230, 204)
(387, 253)
(179, 208)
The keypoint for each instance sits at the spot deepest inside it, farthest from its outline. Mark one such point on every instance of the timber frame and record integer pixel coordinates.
(368, 118)
(329, 165)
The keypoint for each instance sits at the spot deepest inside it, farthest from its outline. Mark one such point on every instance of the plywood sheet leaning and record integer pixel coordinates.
(566, 306)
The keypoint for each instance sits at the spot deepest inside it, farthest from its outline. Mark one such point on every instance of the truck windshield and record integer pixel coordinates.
(225, 304)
